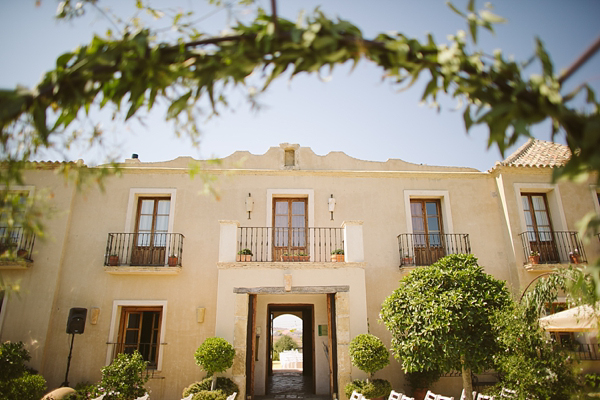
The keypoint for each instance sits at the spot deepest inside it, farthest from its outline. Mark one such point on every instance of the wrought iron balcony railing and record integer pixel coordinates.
(581, 351)
(419, 249)
(561, 247)
(144, 249)
(267, 244)
(149, 351)
(18, 242)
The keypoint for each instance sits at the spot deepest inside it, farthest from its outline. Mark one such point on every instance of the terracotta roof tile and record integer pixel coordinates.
(539, 153)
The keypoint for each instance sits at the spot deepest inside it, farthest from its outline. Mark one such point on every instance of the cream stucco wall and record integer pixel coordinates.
(68, 269)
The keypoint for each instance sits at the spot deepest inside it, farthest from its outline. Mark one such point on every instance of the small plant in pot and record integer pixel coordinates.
(173, 260)
(369, 354)
(113, 259)
(421, 381)
(337, 255)
(575, 257)
(244, 255)
(534, 257)
(407, 259)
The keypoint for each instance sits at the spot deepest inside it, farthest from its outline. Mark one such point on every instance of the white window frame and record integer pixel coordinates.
(555, 207)
(132, 203)
(442, 195)
(113, 332)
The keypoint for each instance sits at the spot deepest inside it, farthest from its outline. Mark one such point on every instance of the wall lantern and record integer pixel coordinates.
(249, 204)
(331, 206)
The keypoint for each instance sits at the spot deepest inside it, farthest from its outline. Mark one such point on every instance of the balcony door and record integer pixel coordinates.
(540, 234)
(289, 229)
(151, 230)
(427, 230)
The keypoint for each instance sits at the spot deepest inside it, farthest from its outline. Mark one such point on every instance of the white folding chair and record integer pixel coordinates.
(144, 397)
(356, 396)
(188, 397)
(395, 395)
(100, 397)
(463, 396)
(430, 396)
(405, 397)
(232, 397)
(508, 393)
(481, 396)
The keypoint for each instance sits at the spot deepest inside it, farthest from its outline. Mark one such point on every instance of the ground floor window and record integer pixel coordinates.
(139, 329)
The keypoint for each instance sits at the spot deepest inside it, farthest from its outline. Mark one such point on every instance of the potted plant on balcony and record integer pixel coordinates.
(22, 253)
(407, 259)
(575, 257)
(337, 255)
(302, 257)
(113, 259)
(173, 260)
(244, 255)
(534, 257)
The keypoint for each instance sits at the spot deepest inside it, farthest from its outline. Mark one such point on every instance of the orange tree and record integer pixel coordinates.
(441, 317)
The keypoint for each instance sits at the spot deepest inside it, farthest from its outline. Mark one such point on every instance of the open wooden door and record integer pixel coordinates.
(152, 225)
(251, 346)
(290, 230)
(332, 345)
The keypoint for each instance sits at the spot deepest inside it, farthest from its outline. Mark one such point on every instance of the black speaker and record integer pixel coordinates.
(76, 321)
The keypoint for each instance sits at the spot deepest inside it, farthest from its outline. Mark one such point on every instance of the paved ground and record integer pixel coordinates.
(290, 385)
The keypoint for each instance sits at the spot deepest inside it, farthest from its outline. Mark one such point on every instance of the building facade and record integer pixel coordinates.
(155, 261)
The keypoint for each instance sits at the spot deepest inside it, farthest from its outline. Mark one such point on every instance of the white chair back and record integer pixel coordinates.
(481, 396)
(232, 396)
(405, 397)
(463, 395)
(100, 397)
(395, 395)
(188, 397)
(356, 396)
(144, 397)
(430, 396)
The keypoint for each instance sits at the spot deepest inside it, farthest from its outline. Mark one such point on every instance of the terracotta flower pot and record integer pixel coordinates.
(337, 258)
(173, 261)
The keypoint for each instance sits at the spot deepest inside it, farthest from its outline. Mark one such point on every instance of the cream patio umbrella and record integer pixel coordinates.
(577, 319)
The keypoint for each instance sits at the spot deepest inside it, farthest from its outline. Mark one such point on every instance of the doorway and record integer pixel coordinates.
(299, 374)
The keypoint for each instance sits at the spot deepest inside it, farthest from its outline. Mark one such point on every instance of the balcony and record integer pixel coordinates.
(16, 248)
(143, 252)
(419, 249)
(563, 247)
(291, 245)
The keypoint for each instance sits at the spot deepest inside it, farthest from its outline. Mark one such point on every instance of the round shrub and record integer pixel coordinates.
(215, 355)
(225, 385)
(125, 377)
(371, 389)
(210, 395)
(368, 353)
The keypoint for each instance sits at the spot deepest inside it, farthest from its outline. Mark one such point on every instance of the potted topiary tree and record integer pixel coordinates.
(215, 355)
(420, 381)
(369, 354)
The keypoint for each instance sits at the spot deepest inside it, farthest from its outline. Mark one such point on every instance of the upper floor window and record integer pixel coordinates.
(151, 230)
(426, 216)
(540, 234)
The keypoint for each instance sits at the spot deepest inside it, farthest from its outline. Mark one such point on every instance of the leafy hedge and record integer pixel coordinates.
(225, 387)
(370, 390)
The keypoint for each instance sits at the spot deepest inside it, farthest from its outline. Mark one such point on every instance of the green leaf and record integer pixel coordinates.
(467, 118)
(543, 57)
(178, 105)
(456, 10)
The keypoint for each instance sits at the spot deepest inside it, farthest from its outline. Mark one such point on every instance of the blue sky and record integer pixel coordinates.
(353, 112)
